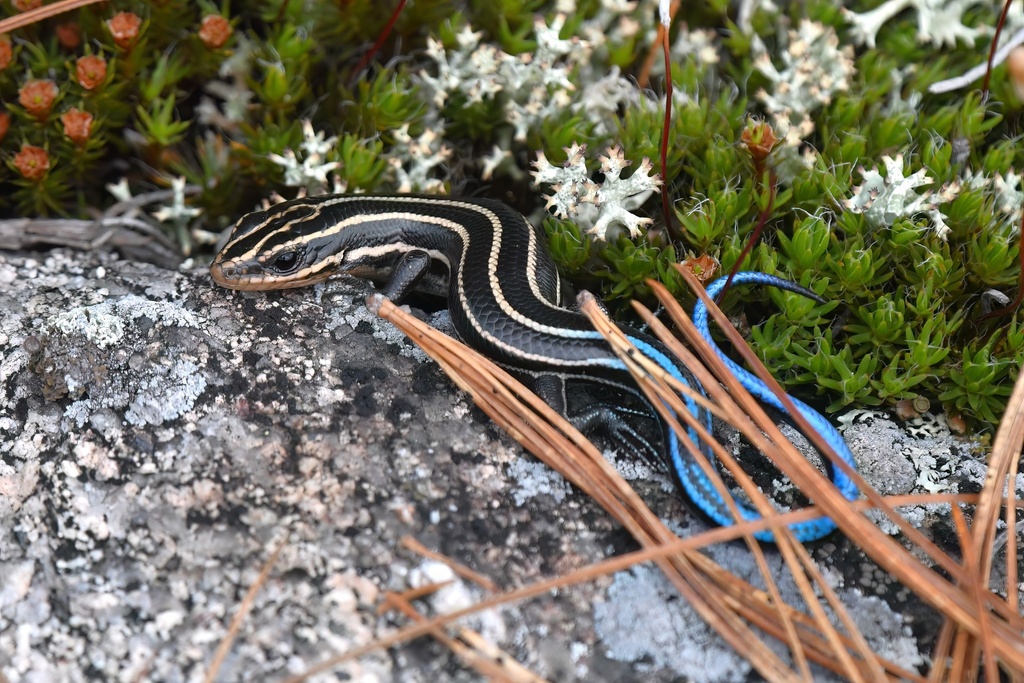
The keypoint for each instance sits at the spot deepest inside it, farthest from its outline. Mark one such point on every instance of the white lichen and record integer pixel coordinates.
(177, 212)
(600, 101)
(883, 201)
(413, 160)
(534, 85)
(614, 23)
(491, 162)
(311, 172)
(598, 208)
(1009, 198)
(938, 21)
(814, 69)
(232, 89)
(1005, 191)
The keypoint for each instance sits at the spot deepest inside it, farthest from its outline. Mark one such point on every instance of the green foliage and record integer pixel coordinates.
(567, 244)
(381, 104)
(159, 125)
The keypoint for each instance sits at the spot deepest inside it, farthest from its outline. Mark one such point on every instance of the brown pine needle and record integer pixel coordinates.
(954, 602)
(243, 611)
(730, 605)
(1003, 464)
(472, 648)
(496, 394)
(40, 13)
(793, 553)
(741, 590)
(409, 595)
(768, 577)
(462, 570)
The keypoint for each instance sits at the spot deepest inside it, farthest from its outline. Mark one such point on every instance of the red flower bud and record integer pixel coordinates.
(214, 31)
(91, 71)
(69, 35)
(6, 52)
(26, 5)
(37, 97)
(124, 26)
(759, 139)
(77, 125)
(32, 162)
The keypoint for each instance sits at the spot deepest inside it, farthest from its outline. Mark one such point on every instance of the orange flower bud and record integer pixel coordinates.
(5, 124)
(77, 125)
(37, 97)
(759, 139)
(91, 71)
(26, 5)
(6, 52)
(124, 26)
(214, 31)
(68, 35)
(705, 267)
(32, 162)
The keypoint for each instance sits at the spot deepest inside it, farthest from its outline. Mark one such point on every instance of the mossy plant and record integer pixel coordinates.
(807, 121)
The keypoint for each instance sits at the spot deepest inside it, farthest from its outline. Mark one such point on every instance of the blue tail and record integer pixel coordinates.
(804, 531)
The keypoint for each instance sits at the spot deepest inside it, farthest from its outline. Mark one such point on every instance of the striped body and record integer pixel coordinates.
(504, 294)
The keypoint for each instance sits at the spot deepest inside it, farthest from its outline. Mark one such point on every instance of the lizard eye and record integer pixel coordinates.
(285, 262)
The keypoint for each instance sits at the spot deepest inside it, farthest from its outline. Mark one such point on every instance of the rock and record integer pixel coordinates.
(160, 436)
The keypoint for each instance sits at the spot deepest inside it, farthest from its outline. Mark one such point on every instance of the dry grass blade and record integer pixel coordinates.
(956, 601)
(472, 648)
(460, 569)
(733, 604)
(969, 662)
(978, 544)
(243, 611)
(741, 592)
(766, 437)
(952, 600)
(566, 450)
(1003, 463)
(806, 477)
(663, 394)
(873, 667)
(38, 14)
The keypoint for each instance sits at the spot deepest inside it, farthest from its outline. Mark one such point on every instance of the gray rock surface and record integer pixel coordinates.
(159, 436)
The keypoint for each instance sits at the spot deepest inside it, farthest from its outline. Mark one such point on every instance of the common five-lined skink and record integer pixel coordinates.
(506, 300)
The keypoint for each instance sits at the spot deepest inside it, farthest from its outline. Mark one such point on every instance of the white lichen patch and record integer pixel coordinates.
(814, 68)
(598, 208)
(643, 621)
(535, 479)
(177, 212)
(175, 391)
(455, 594)
(1009, 198)
(938, 21)
(883, 201)
(527, 88)
(534, 85)
(104, 324)
(413, 160)
(312, 171)
(116, 355)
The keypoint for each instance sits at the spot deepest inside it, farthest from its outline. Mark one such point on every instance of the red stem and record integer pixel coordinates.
(762, 220)
(992, 48)
(380, 40)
